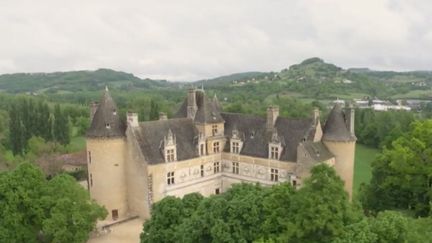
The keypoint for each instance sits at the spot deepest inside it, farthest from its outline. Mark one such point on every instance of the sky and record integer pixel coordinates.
(199, 39)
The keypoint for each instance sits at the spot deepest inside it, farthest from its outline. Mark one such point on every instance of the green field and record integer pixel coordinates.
(77, 144)
(362, 169)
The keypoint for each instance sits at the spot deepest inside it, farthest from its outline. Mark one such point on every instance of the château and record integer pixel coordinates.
(133, 164)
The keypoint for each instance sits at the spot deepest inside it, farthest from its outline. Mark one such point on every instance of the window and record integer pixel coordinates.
(235, 167)
(107, 125)
(202, 170)
(89, 157)
(236, 147)
(294, 183)
(217, 191)
(216, 167)
(114, 214)
(170, 155)
(201, 149)
(274, 153)
(170, 178)
(274, 175)
(91, 180)
(216, 147)
(114, 112)
(214, 129)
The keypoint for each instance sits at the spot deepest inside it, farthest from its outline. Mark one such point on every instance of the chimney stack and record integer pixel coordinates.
(272, 115)
(163, 116)
(191, 104)
(352, 120)
(132, 119)
(316, 115)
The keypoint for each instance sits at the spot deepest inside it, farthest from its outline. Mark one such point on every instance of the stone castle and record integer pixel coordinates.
(203, 149)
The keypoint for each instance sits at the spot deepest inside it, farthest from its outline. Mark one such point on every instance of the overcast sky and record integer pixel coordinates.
(190, 40)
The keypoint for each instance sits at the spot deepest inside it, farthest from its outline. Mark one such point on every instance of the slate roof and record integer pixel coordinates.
(336, 127)
(252, 130)
(150, 136)
(106, 113)
(318, 151)
(208, 111)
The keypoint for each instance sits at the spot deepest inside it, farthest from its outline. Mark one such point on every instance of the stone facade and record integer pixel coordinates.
(205, 150)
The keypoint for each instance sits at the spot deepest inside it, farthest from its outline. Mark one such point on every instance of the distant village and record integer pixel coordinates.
(385, 105)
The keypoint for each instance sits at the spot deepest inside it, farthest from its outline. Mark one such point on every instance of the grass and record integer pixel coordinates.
(362, 168)
(77, 144)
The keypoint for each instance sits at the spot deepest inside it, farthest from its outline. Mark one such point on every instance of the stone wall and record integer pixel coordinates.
(106, 170)
(344, 161)
(137, 178)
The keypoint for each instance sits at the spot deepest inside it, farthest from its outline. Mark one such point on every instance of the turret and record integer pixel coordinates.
(339, 138)
(105, 142)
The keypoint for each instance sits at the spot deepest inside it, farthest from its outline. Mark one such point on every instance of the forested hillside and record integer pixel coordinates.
(318, 79)
(74, 81)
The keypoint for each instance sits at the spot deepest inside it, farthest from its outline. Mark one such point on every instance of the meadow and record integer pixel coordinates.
(364, 156)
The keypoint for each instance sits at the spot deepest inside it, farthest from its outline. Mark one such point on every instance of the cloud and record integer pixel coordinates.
(189, 40)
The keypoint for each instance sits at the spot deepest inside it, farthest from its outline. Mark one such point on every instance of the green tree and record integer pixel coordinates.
(154, 110)
(402, 175)
(320, 209)
(36, 210)
(388, 226)
(61, 128)
(17, 139)
(70, 214)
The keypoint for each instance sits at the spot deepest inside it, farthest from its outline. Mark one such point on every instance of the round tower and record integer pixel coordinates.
(339, 138)
(106, 158)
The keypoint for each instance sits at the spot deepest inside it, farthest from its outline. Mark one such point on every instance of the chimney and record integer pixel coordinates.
(316, 115)
(132, 119)
(352, 120)
(93, 108)
(272, 115)
(163, 116)
(191, 104)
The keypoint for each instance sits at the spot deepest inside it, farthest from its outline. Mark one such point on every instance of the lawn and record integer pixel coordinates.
(77, 144)
(362, 168)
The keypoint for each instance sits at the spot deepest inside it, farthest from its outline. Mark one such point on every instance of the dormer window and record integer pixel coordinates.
(107, 125)
(275, 146)
(274, 152)
(236, 142)
(235, 147)
(214, 129)
(170, 155)
(170, 148)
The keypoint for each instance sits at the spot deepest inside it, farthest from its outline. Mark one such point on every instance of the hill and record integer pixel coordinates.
(314, 78)
(74, 81)
(234, 78)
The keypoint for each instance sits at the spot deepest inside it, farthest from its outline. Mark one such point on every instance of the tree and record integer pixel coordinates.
(320, 209)
(388, 226)
(318, 212)
(35, 210)
(402, 175)
(70, 214)
(61, 130)
(17, 139)
(154, 110)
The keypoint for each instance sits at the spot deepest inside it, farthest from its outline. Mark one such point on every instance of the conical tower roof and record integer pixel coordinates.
(335, 128)
(106, 122)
